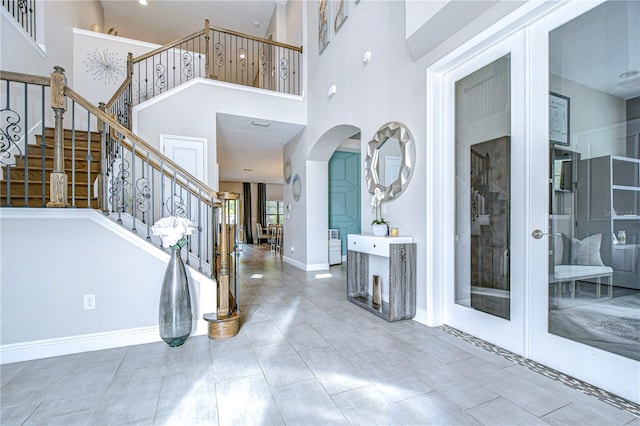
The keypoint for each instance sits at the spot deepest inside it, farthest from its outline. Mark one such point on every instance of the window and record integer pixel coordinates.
(275, 211)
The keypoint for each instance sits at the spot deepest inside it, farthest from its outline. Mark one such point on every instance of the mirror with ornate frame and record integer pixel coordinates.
(390, 160)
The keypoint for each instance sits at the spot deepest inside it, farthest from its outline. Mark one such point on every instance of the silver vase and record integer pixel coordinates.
(175, 302)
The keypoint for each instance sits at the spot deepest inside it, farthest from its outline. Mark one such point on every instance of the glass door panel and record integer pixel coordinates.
(486, 156)
(585, 313)
(483, 189)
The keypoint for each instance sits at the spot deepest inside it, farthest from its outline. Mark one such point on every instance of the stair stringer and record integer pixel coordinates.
(75, 252)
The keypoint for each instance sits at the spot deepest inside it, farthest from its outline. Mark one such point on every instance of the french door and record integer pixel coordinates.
(584, 307)
(485, 149)
(541, 187)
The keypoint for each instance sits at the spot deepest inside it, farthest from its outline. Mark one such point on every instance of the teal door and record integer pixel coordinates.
(344, 194)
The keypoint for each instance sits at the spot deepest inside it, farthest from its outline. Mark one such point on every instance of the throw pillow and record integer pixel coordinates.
(587, 251)
(558, 250)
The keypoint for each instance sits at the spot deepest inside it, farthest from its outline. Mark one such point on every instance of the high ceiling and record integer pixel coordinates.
(163, 21)
(246, 152)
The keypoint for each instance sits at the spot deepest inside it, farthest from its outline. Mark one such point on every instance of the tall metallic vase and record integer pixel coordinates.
(175, 302)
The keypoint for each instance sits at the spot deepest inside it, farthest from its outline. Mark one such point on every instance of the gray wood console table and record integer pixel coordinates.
(393, 259)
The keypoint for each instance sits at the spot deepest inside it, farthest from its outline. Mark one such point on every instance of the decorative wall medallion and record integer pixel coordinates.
(296, 187)
(287, 171)
(106, 66)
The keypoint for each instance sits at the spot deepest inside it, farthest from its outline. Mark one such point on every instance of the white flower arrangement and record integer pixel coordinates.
(173, 230)
(376, 203)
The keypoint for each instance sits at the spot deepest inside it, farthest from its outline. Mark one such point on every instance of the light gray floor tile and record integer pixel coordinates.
(282, 365)
(304, 337)
(307, 403)
(503, 412)
(246, 401)
(634, 422)
(333, 371)
(234, 358)
(17, 392)
(537, 400)
(75, 411)
(433, 408)
(363, 397)
(303, 355)
(82, 385)
(264, 333)
(123, 410)
(588, 412)
(16, 414)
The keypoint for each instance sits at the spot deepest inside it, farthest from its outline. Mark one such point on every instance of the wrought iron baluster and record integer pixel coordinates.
(26, 147)
(148, 196)
(133, 187)
(199, 228)
(89, 159)
(73, 153)
(188, 262)
(43, 147)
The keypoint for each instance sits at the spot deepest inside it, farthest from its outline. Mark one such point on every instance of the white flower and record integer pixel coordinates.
(172, 230)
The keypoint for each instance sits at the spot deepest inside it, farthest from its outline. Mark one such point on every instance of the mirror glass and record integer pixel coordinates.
(390, 160)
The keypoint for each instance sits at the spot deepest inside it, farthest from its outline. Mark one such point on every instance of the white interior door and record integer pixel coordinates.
(190, 154)
(485, 150)
(585, 312)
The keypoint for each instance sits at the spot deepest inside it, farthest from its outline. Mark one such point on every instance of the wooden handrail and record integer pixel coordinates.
(25, 78)
(155, 165)
(261, 40)
(219, 29)
(119, 92)
(168, 46)
(131, 136)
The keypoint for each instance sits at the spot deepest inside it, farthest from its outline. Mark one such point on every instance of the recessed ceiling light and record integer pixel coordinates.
(628, 74)
(256, 24)
(143, 2)
(260, 124)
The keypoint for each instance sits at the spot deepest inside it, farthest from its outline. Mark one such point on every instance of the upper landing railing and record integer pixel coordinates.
(213, 53)
(24, 12)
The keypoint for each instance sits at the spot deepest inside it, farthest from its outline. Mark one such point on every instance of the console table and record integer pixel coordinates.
(393, 259)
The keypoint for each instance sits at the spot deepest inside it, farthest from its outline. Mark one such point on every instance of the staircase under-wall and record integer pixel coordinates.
(26, 182)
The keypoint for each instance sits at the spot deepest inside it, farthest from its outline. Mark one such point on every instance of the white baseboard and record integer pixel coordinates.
(38, 349)
(421, 316)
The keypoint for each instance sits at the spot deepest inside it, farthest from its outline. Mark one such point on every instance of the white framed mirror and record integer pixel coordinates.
(390, 160)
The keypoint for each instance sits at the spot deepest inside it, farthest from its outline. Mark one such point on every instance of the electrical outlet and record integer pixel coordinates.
(89, 301)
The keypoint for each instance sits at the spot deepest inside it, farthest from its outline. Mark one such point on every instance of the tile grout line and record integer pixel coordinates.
(586, 388)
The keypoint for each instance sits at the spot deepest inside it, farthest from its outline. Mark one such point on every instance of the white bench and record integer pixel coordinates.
(573, 273)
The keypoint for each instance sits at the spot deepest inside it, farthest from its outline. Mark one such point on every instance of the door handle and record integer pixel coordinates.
(537, 234)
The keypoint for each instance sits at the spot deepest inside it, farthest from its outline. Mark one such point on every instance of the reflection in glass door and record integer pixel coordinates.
(483, 189)
(485, 141)
(585, 83)
(594, 284)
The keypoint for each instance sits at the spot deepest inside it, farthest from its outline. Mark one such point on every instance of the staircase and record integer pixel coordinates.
(32, 170)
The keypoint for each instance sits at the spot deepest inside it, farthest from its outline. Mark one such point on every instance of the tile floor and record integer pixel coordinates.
(304, 356)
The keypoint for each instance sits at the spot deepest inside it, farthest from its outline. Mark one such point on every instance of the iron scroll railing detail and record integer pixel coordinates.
(107, 166)
(213, 53)
(24, 12)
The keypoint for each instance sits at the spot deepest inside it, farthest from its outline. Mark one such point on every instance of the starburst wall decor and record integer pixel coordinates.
(106, 66)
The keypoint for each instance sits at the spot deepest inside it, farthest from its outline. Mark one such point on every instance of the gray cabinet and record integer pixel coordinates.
(609, 203)
(393, 260)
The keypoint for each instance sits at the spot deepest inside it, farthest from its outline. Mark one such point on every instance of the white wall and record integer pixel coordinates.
(85, 45)
(597, 119)
(52, 257)
(391, 87)
(19, 55)
(190, 110)
(294, 27)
